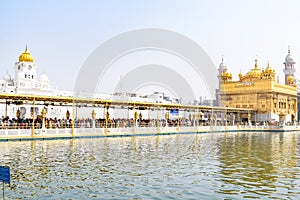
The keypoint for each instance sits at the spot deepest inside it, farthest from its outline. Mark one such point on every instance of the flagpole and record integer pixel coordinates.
(3, 190)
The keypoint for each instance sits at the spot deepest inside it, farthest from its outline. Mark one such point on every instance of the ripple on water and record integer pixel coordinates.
(218, 166)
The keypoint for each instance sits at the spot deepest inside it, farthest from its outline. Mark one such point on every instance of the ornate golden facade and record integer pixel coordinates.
(260, 90)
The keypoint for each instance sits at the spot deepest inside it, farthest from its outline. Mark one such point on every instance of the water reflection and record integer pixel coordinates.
(229, 165)
(254, 164)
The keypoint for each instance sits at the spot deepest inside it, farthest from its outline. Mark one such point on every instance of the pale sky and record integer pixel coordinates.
(61, 34)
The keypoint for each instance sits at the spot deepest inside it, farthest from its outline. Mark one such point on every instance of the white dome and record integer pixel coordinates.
(2, 83)
(44, 78)
(289, 58)
(7, 77)
(222, 66)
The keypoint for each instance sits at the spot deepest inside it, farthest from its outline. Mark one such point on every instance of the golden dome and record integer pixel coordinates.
(26, 56)
(227, 74)
(290, 79)
(255, 72)
(269, 70)
(240, 75)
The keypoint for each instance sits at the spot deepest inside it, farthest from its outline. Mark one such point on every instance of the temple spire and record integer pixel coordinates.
(255, 63)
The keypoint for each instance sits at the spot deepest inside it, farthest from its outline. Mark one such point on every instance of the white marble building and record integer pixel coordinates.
(27, 81)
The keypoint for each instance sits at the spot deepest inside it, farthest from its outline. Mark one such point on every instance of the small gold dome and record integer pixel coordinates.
(26, 56)
(227, 74)
(240, 76)
(290, 79)
(269, 70)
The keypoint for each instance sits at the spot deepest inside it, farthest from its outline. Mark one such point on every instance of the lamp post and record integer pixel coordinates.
(178, 120)
(195, 117)
(200, 117)
(18, 114)
(249, 119)
(214, 119)
(106, 120)
(6, 107)
(68, 115)
(44, 112)
(157, 119)
(135, 118)
(33, 108)
(140, 118)
(93, 117)
(167, 117)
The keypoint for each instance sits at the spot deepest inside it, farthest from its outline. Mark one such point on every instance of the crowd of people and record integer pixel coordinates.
(28, 123)
(51, 123)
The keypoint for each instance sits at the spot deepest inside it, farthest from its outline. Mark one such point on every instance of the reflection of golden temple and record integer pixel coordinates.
(278, 154)
(258, 90)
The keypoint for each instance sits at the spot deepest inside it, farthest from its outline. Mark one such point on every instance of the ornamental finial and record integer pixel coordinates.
(255, 63)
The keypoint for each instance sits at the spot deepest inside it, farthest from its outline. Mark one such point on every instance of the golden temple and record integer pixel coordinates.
(260, 90)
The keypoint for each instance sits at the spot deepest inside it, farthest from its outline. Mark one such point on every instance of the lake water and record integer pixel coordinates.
(186, 166)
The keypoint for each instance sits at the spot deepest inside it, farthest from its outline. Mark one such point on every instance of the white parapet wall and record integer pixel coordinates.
(7, 134)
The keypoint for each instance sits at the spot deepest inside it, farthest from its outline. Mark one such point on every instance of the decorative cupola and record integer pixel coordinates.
(256, 72)
(240, 76)
(290, 80)
(26, 56)
(226, 76)
(268, 73)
